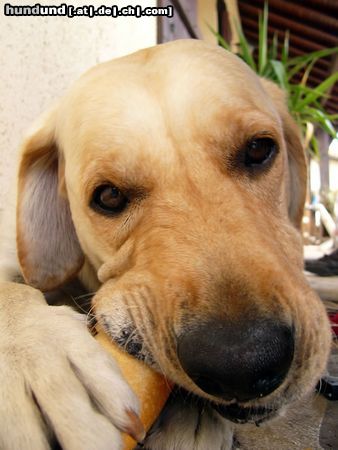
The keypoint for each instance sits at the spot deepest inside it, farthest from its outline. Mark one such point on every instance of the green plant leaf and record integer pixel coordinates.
(318, 117)
(262, 39)
(273, 50)
(295, 94)
(304, 102)
(331, 117)
(319, 91)
(307, 72)
(279, 71)
(220, 39)
(314, 147)
(245, 48)
(308, 57)
(295, 65)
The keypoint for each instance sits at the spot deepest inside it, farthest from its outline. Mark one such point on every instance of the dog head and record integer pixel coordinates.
(175, 178)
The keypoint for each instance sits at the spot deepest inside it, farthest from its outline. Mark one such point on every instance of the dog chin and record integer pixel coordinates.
(233, 412)
(241, 414)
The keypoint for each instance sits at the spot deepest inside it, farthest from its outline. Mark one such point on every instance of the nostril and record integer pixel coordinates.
(239, 361)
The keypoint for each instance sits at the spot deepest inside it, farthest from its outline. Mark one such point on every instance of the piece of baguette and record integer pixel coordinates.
(151, 388)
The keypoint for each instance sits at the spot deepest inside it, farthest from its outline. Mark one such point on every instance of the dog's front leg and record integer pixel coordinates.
(56, 381)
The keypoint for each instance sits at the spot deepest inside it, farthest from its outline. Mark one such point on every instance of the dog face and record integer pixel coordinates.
(179, 178)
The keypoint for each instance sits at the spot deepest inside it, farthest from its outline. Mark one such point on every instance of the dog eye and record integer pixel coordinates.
(259, 151)
(108, 199)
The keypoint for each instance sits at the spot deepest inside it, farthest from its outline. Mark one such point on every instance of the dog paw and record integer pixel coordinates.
(56, 380)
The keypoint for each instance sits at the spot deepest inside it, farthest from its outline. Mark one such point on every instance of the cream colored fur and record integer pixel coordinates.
(204, 237)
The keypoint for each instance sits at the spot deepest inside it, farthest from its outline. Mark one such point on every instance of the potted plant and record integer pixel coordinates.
(305, 103)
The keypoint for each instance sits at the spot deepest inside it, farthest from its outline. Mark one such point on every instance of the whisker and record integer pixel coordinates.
(91, 319)
(81, 306)
(88, 294)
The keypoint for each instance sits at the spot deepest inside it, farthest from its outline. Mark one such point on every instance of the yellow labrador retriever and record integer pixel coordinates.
(172, 182)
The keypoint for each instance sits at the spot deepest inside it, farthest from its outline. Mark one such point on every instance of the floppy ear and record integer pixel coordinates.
(297, 163)
(48, 249)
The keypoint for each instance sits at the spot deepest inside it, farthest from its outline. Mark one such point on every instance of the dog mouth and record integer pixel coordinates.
(241, 414)
(131, 342)
(233, 412)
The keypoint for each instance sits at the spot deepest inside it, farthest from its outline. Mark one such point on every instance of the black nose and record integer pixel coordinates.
(239, 361)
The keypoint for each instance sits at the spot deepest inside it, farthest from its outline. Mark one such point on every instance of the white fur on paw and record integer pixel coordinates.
(54, 375)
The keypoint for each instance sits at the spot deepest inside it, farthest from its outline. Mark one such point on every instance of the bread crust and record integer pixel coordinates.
(151, 388)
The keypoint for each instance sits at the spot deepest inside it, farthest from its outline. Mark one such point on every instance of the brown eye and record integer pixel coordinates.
(108, 199)
(259, 151)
